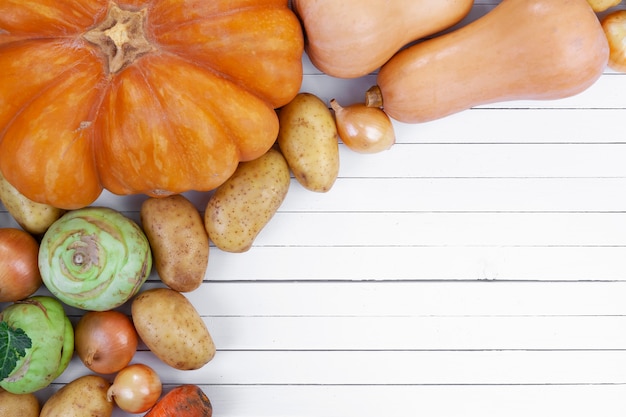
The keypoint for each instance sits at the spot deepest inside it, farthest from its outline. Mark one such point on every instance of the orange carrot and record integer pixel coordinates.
(183, 401)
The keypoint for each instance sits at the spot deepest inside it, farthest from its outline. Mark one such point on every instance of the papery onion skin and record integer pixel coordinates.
(19, 272)
(362, 128)
(105, 341)
(136, 388)
(614, 26)
(94, 258)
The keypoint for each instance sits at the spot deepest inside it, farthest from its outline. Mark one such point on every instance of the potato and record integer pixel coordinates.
(33, 217)
(84, 396)
(172, 328)
(242, 206)
(308, 139)
(179, 241)
(18, 405)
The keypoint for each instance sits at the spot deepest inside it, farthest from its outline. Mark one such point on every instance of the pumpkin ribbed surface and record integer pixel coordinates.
(148, 97)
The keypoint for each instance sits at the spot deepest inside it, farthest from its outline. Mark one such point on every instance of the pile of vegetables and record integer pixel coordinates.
(85, 253)
(159, 97)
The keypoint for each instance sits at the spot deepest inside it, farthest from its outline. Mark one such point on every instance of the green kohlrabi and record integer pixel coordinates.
(36, 344)
(94, 258)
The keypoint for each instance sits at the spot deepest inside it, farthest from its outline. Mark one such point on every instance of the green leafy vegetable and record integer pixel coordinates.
(13, 345)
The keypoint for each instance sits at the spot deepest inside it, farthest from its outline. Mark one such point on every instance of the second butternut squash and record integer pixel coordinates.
(521, 49)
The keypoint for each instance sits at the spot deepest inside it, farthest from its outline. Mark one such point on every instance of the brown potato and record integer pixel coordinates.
(18, 405)
(84, 396)
(179, 241)
(33, 217)
(242, 206)
(309, 141)
(172, 328)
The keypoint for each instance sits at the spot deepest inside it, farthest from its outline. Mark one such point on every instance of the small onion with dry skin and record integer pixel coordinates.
(105, 341)
(135, 389)
(614, 26)
(363, 128)
(19, 272)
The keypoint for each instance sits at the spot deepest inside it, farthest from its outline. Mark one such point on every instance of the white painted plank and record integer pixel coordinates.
(573, 263)
(410, 400)
(400, 367)
(410, 299)
(401, 229)
(419, 333)
(527, 160)
(461, 195)
(518, 126)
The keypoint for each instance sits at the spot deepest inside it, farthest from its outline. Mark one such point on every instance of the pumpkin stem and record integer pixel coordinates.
(121, 37)
(374, 97)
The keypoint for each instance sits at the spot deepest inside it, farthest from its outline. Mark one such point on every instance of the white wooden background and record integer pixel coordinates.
(478, 268)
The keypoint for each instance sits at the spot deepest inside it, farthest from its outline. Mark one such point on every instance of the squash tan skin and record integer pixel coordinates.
(522, 49)
(349, 39)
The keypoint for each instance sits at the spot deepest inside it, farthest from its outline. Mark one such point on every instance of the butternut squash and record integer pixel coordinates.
(351, 38)
(521, 49)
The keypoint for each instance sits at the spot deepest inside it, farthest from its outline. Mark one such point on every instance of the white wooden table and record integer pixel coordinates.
(476, 269)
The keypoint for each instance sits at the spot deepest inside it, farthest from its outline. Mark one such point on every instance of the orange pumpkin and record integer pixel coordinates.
(152, 97)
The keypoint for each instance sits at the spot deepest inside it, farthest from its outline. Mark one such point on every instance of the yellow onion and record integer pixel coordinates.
(19, 272)
(94, 258)
(614, 25)
(105, 341)
(135, 389)
(362, 128)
